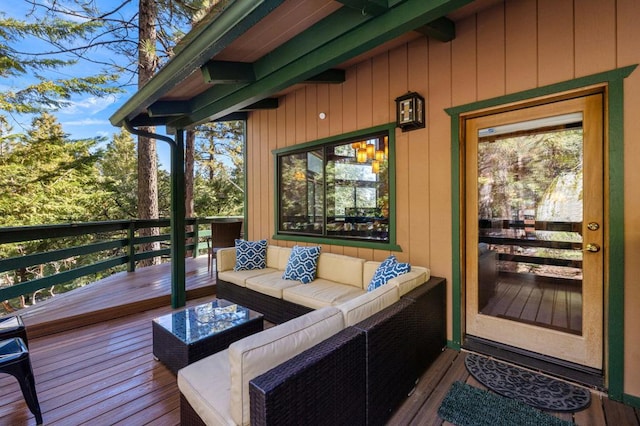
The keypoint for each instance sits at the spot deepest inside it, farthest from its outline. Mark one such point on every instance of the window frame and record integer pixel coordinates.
(321, 144)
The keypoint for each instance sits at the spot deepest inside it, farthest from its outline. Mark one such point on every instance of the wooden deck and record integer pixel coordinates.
(421, 408)
(121, 294)
(105, 374)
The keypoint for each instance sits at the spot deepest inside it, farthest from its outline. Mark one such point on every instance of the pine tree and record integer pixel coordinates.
(219, 182)
(48, 178)
(119, 166)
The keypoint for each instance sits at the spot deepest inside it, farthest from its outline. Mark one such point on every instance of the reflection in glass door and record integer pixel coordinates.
(530, 223)
(534, 229)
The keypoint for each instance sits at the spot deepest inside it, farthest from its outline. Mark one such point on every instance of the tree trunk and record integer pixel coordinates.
(190, 148)
(147, 154)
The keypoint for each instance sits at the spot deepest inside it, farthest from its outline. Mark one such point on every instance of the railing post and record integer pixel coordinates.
(131, 248)
(196, 239)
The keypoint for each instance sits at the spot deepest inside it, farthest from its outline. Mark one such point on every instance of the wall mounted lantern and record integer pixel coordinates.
(410, 112)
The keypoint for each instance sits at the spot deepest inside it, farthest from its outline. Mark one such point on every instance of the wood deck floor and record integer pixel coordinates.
(105, 374)
(118, 295)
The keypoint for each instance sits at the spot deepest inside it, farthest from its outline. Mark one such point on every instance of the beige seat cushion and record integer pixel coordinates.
(257, 354)
(270, 284)
(320, 293)
(341, 269)
(365, 305)
(240, 277)
(206, 384)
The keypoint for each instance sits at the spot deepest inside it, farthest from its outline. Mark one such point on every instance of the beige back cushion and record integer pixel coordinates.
(257, 354)
(277, 257)
(285, 252)
(226, 259)
(273, 256)
(407, 282)
(341, 269)
(365, 305)
(368, 270)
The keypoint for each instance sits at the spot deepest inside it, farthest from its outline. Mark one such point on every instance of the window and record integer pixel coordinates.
(337, 189)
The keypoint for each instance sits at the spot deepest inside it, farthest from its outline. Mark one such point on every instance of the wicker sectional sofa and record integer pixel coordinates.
(339, 279)
(348, 362)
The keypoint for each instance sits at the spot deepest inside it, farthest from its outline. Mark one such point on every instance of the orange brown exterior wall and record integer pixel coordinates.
(508, 48)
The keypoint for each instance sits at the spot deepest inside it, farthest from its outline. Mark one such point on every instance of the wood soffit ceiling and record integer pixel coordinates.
(288, 20)
(262, 38)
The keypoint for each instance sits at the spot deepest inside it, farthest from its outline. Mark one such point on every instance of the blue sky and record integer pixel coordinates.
(86, 116)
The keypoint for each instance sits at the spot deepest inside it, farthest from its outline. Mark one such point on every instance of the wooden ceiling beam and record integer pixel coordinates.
(209, 40)
(367, 7)
(442, 29)
(339, 37)
(168, 108)
(267, 103)
(234, 116)
(331, 76)
(224, 72)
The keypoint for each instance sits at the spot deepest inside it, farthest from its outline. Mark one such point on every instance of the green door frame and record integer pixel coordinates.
(614, 322)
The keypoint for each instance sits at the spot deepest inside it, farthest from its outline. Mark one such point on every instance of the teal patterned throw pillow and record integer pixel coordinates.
(302, 264)
(388, 269)
(250, 255)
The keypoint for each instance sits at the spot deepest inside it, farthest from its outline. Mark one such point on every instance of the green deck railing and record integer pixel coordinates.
(118, 242)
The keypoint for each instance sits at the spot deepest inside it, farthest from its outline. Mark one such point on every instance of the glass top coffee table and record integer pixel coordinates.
(191, 334)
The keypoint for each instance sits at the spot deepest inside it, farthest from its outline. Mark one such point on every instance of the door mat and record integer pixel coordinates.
(536, 390)
(465, 405)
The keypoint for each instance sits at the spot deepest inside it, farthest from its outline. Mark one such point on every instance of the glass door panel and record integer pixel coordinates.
(530, 224)
(534, 229)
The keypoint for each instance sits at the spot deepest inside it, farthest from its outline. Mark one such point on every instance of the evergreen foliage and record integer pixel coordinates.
(219, 177)
(45, 93)
(48, 178)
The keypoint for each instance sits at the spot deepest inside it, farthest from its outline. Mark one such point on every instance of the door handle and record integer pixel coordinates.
(593, 248)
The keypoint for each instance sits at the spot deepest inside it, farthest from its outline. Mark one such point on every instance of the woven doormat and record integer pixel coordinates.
(466, 405)
(536, 390)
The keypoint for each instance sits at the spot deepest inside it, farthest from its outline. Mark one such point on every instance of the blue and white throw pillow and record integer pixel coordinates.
(388, 269)
(250, 255)
(302, 264)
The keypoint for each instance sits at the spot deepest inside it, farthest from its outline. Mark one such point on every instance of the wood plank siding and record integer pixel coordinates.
(509, 47)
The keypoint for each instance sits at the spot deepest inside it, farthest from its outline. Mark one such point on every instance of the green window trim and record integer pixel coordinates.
(615, 259)
(391, 244)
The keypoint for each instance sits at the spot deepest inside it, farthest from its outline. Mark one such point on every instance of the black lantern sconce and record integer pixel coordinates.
(410, 112)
